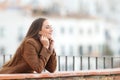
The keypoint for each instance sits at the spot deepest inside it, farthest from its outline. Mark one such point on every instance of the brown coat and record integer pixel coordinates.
(31, 56)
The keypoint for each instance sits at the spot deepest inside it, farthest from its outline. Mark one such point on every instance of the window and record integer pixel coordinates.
(1, 32)
(81, 50)
(2, 50)
(62, 30)
(89, 49)
(62, 50)
(70, 30)
(89, 31)
(107, 35)
(97, 29)
(71, 50)
(119, 51)
(119, 39)
(98, 7)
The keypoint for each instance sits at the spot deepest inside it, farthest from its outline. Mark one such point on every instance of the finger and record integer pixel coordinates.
(52, 43)
(41, 38)
(43, 33)
(48, 36)
(44, 37)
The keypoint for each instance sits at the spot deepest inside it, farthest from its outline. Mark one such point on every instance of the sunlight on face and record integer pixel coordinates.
(47, 27)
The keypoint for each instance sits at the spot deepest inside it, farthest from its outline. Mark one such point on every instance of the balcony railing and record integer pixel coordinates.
(104, 74)
(76, 63)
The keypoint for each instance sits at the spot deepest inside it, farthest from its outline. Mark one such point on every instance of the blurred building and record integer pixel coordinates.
(79, 36)
(13, 27)
(85, 36)
(83, 27)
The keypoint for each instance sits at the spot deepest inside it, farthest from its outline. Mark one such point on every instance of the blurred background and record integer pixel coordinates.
(81, 27)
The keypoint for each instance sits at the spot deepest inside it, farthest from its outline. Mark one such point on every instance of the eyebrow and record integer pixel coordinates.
(49, 25)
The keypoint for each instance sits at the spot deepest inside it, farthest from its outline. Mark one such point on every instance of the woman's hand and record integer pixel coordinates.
(45, 41)
(45, 34)
(51, 45)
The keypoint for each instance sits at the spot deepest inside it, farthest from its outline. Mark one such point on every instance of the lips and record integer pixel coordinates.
(50, 33)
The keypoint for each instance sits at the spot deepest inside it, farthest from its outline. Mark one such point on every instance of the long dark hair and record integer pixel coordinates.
(33, 31)
(35, 27)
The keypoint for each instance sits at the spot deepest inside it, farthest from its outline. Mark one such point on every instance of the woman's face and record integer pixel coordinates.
(47, 28)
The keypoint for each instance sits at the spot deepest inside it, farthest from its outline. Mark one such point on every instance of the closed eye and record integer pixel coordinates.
(48, 27)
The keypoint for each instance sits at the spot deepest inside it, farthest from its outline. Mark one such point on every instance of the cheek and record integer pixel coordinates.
(45, 30)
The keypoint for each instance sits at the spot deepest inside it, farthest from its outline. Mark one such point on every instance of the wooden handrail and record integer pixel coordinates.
(44, 75)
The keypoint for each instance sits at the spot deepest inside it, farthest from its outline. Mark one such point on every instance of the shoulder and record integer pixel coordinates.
(30, 40)
(33, 42)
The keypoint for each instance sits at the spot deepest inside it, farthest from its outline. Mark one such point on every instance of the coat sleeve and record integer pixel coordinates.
(31, 57)
(52, 63)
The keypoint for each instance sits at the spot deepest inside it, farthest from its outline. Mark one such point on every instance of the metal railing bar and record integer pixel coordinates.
(88, 63)
(104, 62)
(3, 58)
(81, 62)
(73, 63)
(59, 63)
(107, 62)
(111, 62)
(66, 63)
(96, 60)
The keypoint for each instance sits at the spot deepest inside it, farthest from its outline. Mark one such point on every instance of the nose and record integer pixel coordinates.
(51, 30)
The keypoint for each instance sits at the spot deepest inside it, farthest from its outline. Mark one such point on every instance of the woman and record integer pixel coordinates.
(35, 53)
